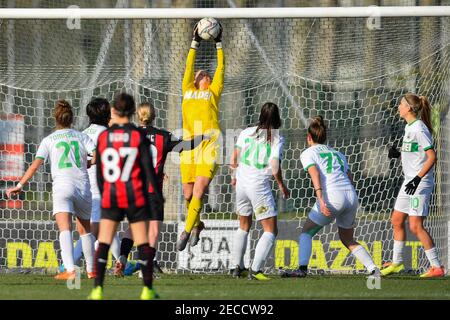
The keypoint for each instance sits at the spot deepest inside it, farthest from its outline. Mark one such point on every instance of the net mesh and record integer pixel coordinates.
(347, 70)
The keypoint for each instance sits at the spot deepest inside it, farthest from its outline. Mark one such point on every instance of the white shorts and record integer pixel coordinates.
(96, 209)
(257, 198)
(343, 205)
(69, 198)
(417, 204)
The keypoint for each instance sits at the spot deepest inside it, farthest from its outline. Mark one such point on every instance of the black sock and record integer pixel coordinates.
(146, 255)
(303, 268)
(101, 258)
(125, 247)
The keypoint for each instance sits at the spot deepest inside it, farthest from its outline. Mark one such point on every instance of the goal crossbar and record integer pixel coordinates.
(172, 13)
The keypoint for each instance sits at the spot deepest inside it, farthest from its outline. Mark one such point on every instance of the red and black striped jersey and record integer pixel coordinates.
(163, 142)
(123, 173)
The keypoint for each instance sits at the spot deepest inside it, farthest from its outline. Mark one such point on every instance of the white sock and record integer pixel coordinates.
(239, 247)
(115, 247)
(362, 255)
(66, 244)
(77, 252)
(262, 250)
(96, 245)
(433, 257)
(304, 249)
(399, 246)
(87, 241)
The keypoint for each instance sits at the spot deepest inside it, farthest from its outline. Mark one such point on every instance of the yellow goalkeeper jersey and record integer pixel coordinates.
(200, 108)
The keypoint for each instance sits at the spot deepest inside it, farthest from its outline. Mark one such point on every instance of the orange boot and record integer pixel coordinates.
(434, 272)
(66, 275)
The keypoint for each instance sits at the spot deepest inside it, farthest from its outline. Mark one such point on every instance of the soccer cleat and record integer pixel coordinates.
(391, 268)
(182, 242)
(240, 273)
(66, 275)
(258, 276)
(91, 275)
(434, 272)
(298, 273)
(61, 268)
(195, 234)
(149, 294)
(96, 294)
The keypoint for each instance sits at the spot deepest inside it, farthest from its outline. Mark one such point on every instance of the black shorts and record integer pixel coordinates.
(133, 215)
(156, 208)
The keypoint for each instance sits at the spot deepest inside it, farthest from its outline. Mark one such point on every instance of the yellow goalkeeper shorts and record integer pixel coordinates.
(200, 162)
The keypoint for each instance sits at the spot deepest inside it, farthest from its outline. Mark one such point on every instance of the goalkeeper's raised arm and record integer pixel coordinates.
(217, 83)
(188, 78)
(192, 80)
(200, 111)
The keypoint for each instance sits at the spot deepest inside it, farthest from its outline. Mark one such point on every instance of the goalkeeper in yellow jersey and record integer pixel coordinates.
(200, 110)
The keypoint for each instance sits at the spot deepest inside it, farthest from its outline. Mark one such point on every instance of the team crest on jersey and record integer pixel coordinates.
(197, 95)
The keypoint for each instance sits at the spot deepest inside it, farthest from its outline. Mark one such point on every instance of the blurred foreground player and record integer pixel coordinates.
(124, 176)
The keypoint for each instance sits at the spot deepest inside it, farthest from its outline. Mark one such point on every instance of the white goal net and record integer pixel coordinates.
(350, 70)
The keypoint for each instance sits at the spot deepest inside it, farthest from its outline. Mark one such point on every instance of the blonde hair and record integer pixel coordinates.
(146, 113)
(420, 106)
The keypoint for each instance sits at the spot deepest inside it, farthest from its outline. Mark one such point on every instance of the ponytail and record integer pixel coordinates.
(146, 113)
(269, 119)
(421, 107)
(425, 112)
(318, 130)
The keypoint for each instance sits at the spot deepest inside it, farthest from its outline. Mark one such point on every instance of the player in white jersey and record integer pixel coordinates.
(418, 160)
(256, 157)
(99, 113)
(336, 198)
(67, 150)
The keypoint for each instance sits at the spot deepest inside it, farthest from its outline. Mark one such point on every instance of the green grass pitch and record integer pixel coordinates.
(31, 286)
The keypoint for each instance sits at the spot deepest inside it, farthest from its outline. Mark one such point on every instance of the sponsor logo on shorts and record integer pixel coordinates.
(261, 210)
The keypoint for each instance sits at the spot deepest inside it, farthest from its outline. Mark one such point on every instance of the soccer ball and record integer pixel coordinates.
(208, 28)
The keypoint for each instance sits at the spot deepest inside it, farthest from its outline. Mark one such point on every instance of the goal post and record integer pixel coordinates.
(224, 13)
(348, 64)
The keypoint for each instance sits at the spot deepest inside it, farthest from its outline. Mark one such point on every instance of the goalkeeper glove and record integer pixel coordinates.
(219, 36)
(411, 186)
(196, 35)
(196, 39)
(394, 153)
